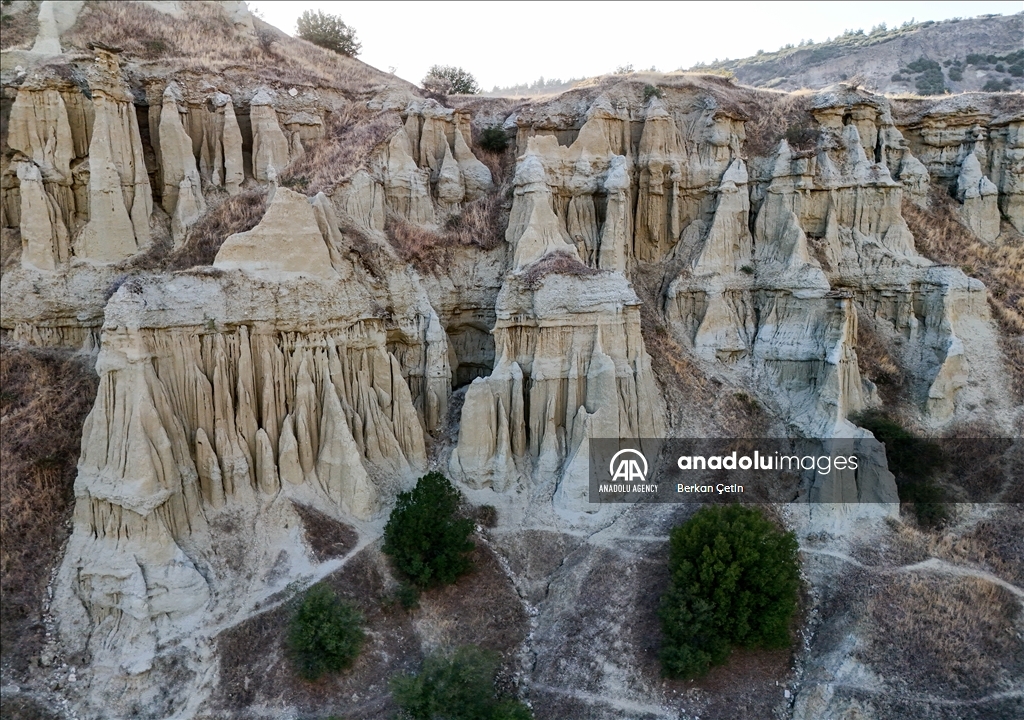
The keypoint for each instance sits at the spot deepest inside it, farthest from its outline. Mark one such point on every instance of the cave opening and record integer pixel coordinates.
(471, 353)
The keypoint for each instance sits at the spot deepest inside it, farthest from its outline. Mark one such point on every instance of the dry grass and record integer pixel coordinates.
(236, 214)
(19, 29)
(480, 225)
(877, 363)
(328, 538)
(205, 39)
(940, 236)
(44, 398)
(482, 608)
(998, 542)
(944, 635)
(556, 263)
(147, 34)
(772, 116)
(348, 140)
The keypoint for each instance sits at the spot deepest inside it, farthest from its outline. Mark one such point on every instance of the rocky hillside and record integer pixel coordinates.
(928, 58)
(303, 283)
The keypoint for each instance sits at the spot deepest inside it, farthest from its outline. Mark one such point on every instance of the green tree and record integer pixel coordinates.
(734, 581)
(494, 139)
(326, 634)
(450, 79)
(459, 686)
(328, 31)
(425, 538)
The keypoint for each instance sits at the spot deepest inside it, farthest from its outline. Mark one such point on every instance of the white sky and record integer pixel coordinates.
(505, 43)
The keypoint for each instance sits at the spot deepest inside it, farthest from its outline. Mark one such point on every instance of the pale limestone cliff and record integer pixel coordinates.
(120, 198)
(287, 240)
(312, 365)
(270, 152)
(182, 192)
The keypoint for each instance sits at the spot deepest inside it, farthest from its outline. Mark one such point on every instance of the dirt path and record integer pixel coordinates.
(933, 565)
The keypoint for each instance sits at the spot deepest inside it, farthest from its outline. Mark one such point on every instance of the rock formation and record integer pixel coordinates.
(182, 192)
(322, 362)
(287, 240)
(120, 199)
(269, 145)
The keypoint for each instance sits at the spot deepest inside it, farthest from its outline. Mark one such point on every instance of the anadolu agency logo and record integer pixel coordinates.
(628, 469)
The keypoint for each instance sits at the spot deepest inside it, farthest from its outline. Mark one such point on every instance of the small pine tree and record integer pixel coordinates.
(424, 537)
(494, 139)
(734, 583)
(328, 31)
(456, 687)
(326, 634)
(450, 79)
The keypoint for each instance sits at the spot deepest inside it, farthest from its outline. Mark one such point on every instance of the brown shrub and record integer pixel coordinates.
(348, 140)
(776, 115)
(876, 362)
(937, 633)
(940, 236)
(44, 398)
(19, 28)
(558, 263)
(236, 214)
(206, 39)
(481, 225)
(328, 538)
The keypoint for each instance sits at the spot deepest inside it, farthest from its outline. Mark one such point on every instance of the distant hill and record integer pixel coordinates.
(928, 58)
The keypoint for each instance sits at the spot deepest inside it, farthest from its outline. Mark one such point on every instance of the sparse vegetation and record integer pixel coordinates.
(425, 537)
(329, 32)
(45, 396)
(326, 634)
(556, 263)
(349, 137)
(19, 28)
(449, 79)
(942, 635)
(939, 235)
(878, 364)
(236, 214)
(205, 39)
(652, 91)
(734, 582)
(459, 686)
(479, 225)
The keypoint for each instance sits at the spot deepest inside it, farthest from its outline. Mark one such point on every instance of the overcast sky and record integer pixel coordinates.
(505, 43)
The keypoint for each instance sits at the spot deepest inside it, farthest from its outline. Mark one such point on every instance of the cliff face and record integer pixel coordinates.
(313, 366)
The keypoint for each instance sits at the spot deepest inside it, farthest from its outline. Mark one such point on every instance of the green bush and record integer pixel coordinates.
(923, 64)
(425, 538)
(651, 91)
(326, 634)
(1016, 70)
(915, 462)
(734, 582)
(328, 31)
(956, 74)
(456, 687)
(493, 139)
(931, 82)
(450, 79)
